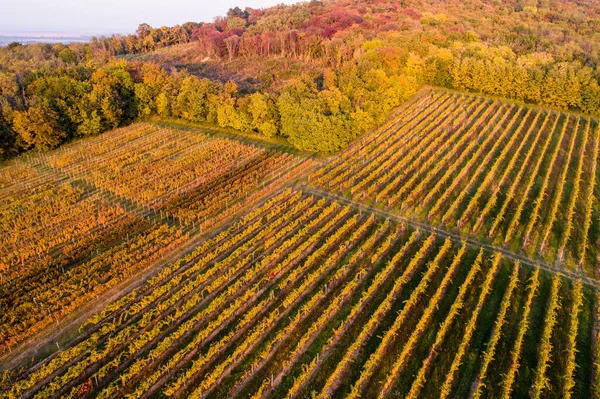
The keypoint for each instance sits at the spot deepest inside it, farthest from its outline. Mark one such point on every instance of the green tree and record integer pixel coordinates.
(264, 115)
(113, 95)
(68, 56)
(193, 102)
(65, 94)
(315, 121)
(7, 133)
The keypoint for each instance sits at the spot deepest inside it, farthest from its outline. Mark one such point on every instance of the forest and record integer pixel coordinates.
(317, 74)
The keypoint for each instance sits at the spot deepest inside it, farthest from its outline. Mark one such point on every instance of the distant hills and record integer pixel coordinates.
(42, 38)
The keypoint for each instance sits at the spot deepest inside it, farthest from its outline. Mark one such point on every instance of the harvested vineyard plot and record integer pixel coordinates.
(518, 177)
(304, 295)
(75, 222)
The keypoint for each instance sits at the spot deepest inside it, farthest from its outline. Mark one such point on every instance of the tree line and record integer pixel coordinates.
(353, 62)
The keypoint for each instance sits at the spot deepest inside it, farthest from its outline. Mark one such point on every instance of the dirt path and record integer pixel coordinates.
(455, 237)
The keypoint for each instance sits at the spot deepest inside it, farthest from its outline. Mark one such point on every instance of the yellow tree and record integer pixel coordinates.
(38, 127)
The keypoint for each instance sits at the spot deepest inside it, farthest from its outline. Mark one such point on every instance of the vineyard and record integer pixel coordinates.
(302, 295)
(450, 254)
(518, 177)
(77, 221)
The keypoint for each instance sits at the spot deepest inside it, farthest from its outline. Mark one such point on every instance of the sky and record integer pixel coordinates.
(96, 17)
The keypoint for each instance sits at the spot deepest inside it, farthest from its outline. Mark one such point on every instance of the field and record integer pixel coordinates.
(303, 294)
(519, 177)
(402, 267)
(77, 221)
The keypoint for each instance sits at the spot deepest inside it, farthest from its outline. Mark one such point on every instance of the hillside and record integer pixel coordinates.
(318, 74)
